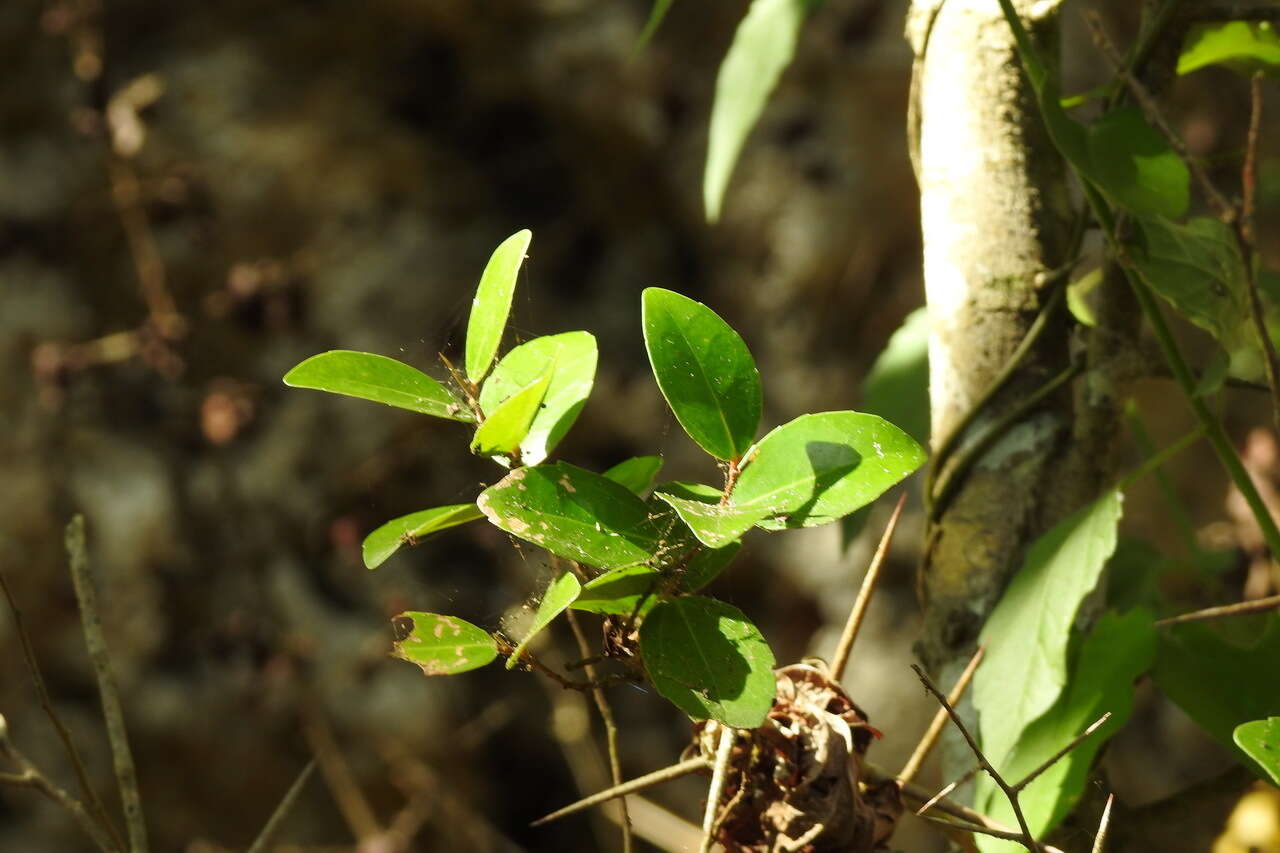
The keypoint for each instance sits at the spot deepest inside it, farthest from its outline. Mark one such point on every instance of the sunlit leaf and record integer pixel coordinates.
(1260, 740)
(442, 645)
(707, 658)
(559, 595)
(897, 385)
(574, 514)
(705, 371)
(506, 426)
(570, 359)
(619, 591)
(1027, 634)
(1242, 46)
(636, 473)
(1118, 650)
(762, 48)
(492, 304)
(411, 528)
(380, 379)
(1133, 163)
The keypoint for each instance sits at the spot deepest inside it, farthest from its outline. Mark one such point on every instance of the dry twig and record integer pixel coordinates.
(1241, 608)
(925, 746)
(267, 837)
(666, 774)
(841, 657)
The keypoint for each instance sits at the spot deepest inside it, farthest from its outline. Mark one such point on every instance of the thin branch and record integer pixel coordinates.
(610, 729)
(351, 801)
(657, 777)
(841, 657)
(29, 776)
(1242, 608)
(1100, 840)
(1053, 759)
(95, 804)
(1027, 840)
(112, 713)
(1249, 171)
(925, 746)
(948, 788)
(263, 842)
(1006, 834)
(718, 772)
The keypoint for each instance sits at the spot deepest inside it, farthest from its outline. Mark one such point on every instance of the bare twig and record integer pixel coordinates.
(610, 729)
(657, 777)
(841, 657)
(263, 842)
(1242, 608)
(1006, 834)
(948, 788)
(925, 746)
(28, 776)
(1027, 840)
(1249, 171)
(1100, 840)
(1053, 759)
(718, 773)
(112, 713)
(95, 805)
(351, 801)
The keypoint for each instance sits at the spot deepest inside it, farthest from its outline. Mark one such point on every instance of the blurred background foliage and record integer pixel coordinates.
(194, 197)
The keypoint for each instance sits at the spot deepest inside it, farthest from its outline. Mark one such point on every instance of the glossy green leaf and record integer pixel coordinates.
(706, 565)
(380, 379)
(1118, 650)
(1197, 269)
(762, 48)
(412, 528)
(559, 595)
(570, 360)
(705, 371)
(707, 658)
(619, 591)
(442, 645)
(715, 525)
(1243, 46)
(574, 514)
(508, 425)
(492, 304)
(1218, 682)
(1133, 163)
(636, 473)
(1260, 740)
(1027, 634)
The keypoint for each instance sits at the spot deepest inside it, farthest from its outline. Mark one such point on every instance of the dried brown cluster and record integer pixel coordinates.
(794, 783)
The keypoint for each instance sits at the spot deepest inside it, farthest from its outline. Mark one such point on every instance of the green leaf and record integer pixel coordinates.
(507, 425)
(762, 48)
(570, 359)
(704, 370)
(657, 12)
(380, 379)
(716, 526)
(1242, 46)
(1079, 297)
(1133, 163)
(619, 591)
(1118, 650)
(1198, 270)
(574, 514)
(1027, 634)
(1217, 682)
(636, 473)
(897, 385)
(493, 303)
(559, 595)
(709, 660)
(411, 528)
(1260, 740)
(442, 645)
(706, 565)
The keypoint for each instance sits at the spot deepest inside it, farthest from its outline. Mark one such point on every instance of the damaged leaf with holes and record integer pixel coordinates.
(442, 645)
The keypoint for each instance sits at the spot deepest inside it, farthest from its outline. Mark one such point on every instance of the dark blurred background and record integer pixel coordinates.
(196, 196)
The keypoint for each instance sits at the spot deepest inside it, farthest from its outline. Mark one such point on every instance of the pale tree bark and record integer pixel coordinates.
(996, 217)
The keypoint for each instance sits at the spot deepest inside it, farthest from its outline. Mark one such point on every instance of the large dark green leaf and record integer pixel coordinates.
(705, 371)
(1118, 650)
(442, 645)
(570, 360)
(762, 48)
(560, 594)
(1243, 46)
(377, 378)
(1027, 634)
(411, 528)
(709, 660)
(573, 513)
(492, 304)
(1217, 682)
